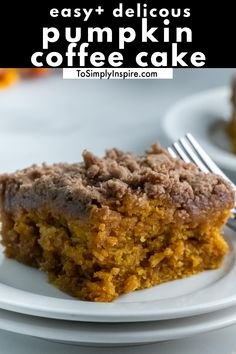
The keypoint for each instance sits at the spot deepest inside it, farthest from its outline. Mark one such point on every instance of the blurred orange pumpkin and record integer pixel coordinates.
(10, 76)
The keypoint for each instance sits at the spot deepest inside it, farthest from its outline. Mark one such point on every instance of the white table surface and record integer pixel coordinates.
(147, 97)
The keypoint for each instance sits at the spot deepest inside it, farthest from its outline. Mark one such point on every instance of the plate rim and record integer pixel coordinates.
(222, 157)
(128, 333)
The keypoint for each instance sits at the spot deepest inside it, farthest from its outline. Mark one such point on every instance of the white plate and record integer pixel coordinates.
(104, 334)
(204, 115)
(25, 290)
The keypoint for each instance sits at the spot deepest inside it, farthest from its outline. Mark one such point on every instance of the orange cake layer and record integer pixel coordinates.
(112, 225)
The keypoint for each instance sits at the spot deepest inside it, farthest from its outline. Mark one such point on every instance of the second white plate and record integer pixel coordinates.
(205, 115)
(26, 290)
(116, 334)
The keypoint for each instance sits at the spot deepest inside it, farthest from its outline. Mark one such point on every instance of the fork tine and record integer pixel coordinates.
(181, 152)
(205, 157)
(193, 155)
(172, 153)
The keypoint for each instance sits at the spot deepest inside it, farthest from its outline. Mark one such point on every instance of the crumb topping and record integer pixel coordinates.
(155, 174)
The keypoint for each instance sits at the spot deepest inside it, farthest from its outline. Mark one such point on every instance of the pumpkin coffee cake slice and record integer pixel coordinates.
(112, 225)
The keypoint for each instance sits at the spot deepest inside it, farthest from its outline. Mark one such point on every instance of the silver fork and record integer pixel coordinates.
(189, 150)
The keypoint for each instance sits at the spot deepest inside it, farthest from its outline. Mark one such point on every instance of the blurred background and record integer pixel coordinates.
(44, 118)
